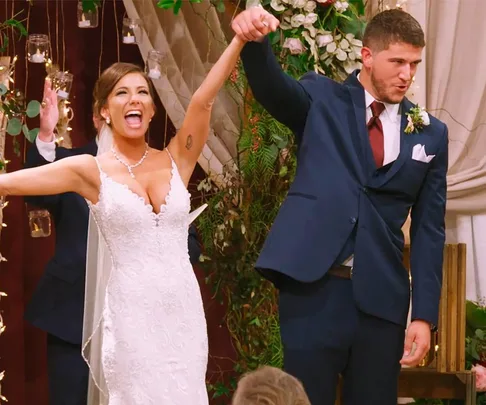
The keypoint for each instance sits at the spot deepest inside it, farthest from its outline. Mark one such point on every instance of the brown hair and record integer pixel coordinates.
(391, 27)
(109, 79)
(270, 386)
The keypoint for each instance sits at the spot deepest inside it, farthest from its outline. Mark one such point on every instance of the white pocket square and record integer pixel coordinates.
(418, 153)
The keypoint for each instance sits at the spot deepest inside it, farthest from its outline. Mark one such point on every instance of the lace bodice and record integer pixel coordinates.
(154, 329)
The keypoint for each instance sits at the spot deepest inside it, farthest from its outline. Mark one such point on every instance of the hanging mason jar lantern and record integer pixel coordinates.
(153, 67)
(132, 30)
(87, 18)
(62, 83)
(39, 223)
(37, 48)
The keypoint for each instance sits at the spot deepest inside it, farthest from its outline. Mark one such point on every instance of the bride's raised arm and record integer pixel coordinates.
(67, 175)
(188, 144)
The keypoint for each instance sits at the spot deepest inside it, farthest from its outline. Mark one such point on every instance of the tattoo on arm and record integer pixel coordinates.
(189, 142)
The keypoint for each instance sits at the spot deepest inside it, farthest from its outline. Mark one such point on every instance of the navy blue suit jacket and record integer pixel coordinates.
(339, 193)
(58, 302)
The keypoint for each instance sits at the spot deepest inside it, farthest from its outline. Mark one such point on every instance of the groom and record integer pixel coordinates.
(335, 249)
(57, 304)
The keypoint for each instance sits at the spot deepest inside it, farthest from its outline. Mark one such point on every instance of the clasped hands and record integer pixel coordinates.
(254, 24)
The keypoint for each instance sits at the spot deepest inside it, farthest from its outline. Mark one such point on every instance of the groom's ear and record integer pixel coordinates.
(367, 57)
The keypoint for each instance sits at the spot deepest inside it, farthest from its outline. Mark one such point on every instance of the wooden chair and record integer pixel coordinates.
(445, 377)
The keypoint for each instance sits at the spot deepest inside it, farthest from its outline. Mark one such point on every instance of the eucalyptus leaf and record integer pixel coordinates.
(32, 135)
(33, 109)
(3, 89)
(25, 130)
(14, 126)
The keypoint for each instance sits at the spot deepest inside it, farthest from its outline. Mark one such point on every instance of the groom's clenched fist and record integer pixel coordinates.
(254, 24)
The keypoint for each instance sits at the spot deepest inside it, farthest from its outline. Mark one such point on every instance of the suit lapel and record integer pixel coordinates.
(356, 91)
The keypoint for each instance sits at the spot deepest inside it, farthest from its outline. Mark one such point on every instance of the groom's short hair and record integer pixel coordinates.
(391, 27)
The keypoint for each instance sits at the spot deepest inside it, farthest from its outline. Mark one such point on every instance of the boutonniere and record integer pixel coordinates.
(417, 118)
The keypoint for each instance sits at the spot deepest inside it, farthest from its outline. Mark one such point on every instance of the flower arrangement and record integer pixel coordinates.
(320, 35)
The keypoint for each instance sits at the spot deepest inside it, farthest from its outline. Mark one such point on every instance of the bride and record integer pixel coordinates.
(145, 336)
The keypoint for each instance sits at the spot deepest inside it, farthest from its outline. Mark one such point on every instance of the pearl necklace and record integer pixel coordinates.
(130, 167)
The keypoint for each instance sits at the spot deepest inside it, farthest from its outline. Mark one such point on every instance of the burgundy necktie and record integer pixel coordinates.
(375, 130)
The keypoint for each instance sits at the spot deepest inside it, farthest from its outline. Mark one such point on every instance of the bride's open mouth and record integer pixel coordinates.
(133, 118)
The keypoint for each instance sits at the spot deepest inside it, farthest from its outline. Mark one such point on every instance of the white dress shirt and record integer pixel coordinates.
(46, 149)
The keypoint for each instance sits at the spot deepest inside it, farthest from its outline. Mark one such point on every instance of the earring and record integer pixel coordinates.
(108, 120)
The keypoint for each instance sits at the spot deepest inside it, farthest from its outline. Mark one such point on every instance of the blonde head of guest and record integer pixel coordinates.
(269, 386)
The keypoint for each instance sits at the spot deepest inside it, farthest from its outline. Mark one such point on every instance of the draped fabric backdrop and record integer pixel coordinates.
(450, 84)
(85, 52)
(454, 89)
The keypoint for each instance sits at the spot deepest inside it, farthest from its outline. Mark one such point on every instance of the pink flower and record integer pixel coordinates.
(480, 377)
(295, 46)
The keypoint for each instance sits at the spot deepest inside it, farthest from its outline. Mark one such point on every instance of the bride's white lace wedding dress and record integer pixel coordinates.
(155, 347)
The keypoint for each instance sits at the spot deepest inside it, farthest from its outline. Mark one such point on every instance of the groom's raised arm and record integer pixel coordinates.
(282, 96)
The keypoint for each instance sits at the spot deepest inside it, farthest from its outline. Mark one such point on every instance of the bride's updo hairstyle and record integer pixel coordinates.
(109, 79)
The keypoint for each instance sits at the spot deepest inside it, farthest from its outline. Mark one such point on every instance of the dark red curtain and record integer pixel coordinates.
(84, 52)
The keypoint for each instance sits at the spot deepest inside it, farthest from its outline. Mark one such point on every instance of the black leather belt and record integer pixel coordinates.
(341, 271)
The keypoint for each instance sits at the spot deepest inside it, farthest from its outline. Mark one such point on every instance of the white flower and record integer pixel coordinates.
(331, 47)
(297, 20)
(298, 3)
(310, 6)
(341, 55)
(351, 65)
(425, 117)
(277, 5)
(341, 6)
(295, 46)
(310, 19)
(323, 40)
(344, 44)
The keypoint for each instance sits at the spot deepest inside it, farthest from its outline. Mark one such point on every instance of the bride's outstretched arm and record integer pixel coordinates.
(188, 144)
(66, 175)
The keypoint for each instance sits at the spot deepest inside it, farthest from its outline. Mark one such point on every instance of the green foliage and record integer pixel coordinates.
(175, 5)
(12, 102)
(13, 25)
(90, 5)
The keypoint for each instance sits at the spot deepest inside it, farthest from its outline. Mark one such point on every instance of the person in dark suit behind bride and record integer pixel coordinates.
(57, 304)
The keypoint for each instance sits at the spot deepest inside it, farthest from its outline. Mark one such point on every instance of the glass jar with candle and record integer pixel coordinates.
(153, 67)
(39, 223)
(132, 30)
(62, 83)
(37, 48)
(87, 18)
